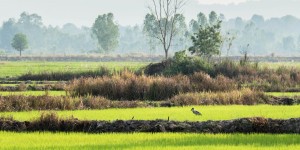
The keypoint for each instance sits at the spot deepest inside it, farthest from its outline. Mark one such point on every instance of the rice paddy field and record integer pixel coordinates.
(13, 69)
(170, 141)
(47, 140)
(175, 113)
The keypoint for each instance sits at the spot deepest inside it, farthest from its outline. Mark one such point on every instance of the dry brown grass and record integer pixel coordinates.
(242, 97)
(129, 86)
(28, 103)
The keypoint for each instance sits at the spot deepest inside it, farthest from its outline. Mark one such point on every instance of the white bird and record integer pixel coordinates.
(196, 112)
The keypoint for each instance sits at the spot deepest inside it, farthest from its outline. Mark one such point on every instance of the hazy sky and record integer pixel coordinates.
(131, 12)
(224, 2)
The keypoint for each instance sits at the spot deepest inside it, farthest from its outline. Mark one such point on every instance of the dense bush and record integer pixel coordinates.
(241, 97)
(180, 64)
(188, 66)
(132, 87)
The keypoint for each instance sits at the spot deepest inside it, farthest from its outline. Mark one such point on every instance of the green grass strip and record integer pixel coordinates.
(10, 140)
(175, 113)
(14, 69)
(34, 93)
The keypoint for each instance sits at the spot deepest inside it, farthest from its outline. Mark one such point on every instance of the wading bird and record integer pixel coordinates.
(196, 112)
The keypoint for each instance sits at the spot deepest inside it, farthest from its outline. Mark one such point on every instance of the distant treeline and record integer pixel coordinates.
(87, 58)
(133, 58)
(259, 36)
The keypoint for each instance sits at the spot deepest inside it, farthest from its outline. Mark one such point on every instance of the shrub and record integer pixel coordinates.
(22, 86)
(188, 66)
(180, 64)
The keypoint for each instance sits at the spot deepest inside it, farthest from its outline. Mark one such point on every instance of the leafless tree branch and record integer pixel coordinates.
(165, 12)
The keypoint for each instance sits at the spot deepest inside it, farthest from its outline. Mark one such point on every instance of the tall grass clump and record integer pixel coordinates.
(236, 97)
(282, 79)
(245, 73)
(129, 86)
(233, 69)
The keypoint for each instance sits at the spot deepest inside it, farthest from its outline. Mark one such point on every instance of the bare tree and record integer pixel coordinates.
(166, 15)
(244, 51)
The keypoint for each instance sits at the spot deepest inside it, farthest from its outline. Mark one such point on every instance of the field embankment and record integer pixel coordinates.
(51, 122)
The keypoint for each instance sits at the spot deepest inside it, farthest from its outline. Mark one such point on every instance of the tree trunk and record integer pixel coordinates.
(20, 53)
(166, 54)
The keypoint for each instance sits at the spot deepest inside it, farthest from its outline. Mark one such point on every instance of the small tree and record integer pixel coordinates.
(244, 51)
(207, 41)
(20, 42)
(202, 20)
(228, 39)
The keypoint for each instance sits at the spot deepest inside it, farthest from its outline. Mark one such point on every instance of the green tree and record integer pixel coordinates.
(222, 17)
(207, 41)
(32, 26)
(202, 20)
(106, 32)
(164, 22)
(20, 42)
(213, 18)
(181, 38)
(194, 26)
